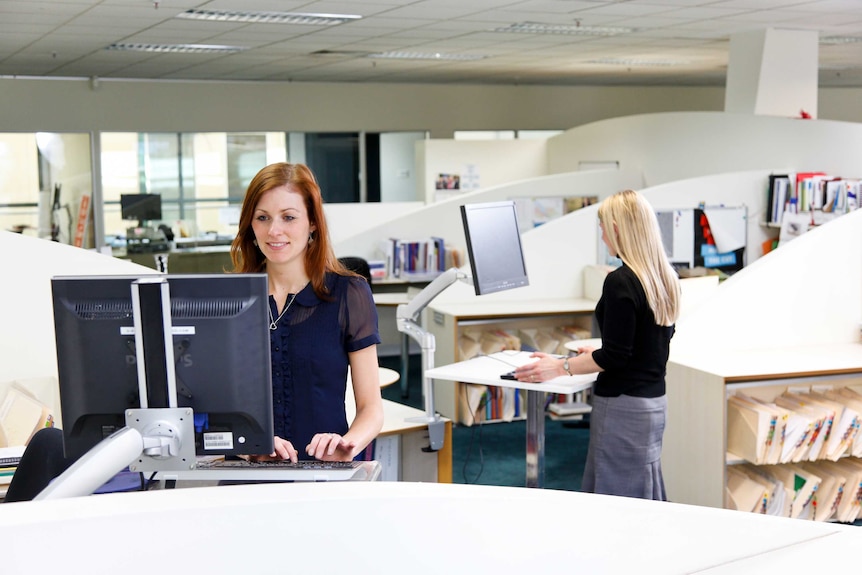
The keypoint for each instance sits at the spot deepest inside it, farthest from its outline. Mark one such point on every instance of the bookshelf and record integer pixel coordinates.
(449, 322)
(695, 456)
(790, 320)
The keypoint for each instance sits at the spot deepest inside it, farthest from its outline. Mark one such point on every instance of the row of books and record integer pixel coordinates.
(795, 426)
(810, 191)
(821, 491)
(414, 259)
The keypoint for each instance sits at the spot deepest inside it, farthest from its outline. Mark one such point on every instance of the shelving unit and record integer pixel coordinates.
(447, 322)
(695, 458)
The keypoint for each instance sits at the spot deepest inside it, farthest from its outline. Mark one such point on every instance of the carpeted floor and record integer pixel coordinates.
(495, 454)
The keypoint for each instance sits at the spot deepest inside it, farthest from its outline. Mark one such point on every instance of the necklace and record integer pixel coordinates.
(273, 323)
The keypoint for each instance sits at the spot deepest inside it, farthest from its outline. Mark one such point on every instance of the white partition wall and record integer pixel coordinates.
(443, 218)
(557, 252)
(677, 145)
(27, 344)
(807, 292)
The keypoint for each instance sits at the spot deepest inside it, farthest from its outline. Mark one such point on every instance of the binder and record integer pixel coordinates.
(753, 429)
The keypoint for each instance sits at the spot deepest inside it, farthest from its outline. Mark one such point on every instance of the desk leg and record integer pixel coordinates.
(535, 438)
(405, 364)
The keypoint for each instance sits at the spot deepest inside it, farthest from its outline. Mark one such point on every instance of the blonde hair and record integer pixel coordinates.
(632, 231)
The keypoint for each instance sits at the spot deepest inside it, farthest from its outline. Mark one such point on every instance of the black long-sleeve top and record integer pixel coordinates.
(634, 349)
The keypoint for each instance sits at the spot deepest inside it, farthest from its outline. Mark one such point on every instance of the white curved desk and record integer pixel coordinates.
(418, 528)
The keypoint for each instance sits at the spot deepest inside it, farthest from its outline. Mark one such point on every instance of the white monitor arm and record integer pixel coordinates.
(407, 316)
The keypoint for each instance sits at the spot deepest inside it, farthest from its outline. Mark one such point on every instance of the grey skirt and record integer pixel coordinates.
(624, 456)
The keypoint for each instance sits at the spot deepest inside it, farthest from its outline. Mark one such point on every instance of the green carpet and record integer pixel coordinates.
(495, 453)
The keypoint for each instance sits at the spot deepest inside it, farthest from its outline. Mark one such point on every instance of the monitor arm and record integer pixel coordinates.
(407, 316)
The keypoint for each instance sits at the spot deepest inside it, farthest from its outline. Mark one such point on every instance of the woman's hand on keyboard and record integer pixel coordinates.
(330, 447)
(283, 450)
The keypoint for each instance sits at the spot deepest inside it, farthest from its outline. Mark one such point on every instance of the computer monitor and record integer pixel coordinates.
(141, 207)
(494, 246)
(221, 353)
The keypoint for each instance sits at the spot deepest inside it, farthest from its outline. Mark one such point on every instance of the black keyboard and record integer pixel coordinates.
(312, 465)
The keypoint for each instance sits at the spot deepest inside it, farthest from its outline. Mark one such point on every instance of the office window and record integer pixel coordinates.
(44, 177)
(484, 135)
(201, 177)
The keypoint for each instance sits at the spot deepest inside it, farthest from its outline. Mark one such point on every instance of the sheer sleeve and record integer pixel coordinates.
(360, 316)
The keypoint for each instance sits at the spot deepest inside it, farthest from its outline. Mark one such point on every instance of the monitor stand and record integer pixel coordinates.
(406, 318)
(158, 438)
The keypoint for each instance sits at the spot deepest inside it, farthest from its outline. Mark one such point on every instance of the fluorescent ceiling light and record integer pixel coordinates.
(268, 17)
(176, 48)
(637, 62)
(832, 40)
(570, 29)
(426, 56)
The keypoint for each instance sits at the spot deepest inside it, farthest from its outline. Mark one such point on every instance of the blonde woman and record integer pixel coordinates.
(636, 314)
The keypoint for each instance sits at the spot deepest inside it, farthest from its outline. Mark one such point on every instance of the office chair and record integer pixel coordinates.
(43, 460)
(358, 265)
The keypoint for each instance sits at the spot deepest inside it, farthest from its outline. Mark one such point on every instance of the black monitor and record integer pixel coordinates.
(220, 334)
(141, 207)
(494, 246)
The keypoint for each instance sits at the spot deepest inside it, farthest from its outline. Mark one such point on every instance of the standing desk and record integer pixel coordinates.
(486, 370)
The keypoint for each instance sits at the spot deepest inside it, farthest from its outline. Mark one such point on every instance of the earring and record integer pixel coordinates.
(254, 242)
(310, 238)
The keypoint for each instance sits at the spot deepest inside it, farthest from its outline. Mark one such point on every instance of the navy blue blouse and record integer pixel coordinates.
(309, 357)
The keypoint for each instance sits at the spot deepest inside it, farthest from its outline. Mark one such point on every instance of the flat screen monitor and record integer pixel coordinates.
(141, 207)
(494, 246)
(221, 354)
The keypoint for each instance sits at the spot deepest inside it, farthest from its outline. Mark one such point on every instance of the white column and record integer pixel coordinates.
(773, 72)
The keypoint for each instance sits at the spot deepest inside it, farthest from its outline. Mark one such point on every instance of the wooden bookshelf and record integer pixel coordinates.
(695, 458)
(448, 321)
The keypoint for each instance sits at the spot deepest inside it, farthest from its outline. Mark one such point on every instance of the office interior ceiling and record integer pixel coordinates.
(668, 42)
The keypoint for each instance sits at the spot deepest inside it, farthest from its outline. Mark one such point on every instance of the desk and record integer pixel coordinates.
(420, 528)
(486, 370)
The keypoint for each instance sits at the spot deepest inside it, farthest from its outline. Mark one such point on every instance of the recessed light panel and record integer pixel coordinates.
(570, 29)
(427, 56)
(176, 48)
(268, 17)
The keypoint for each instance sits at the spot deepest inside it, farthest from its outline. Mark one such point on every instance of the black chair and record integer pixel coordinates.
(357, 265)
(43, 460)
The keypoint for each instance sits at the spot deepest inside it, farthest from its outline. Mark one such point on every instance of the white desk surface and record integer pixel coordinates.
(486, 370)
(396, 528)
(752, 364)
(391, 299)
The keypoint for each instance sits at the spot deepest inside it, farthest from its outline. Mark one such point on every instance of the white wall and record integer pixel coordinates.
(493, 162)
(347, 220)
(130, 105)
(673, 146)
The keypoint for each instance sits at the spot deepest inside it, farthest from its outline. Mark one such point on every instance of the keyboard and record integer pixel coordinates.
(313, 464)
(277, 470)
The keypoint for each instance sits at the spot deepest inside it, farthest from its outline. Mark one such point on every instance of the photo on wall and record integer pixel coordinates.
(448, 182)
